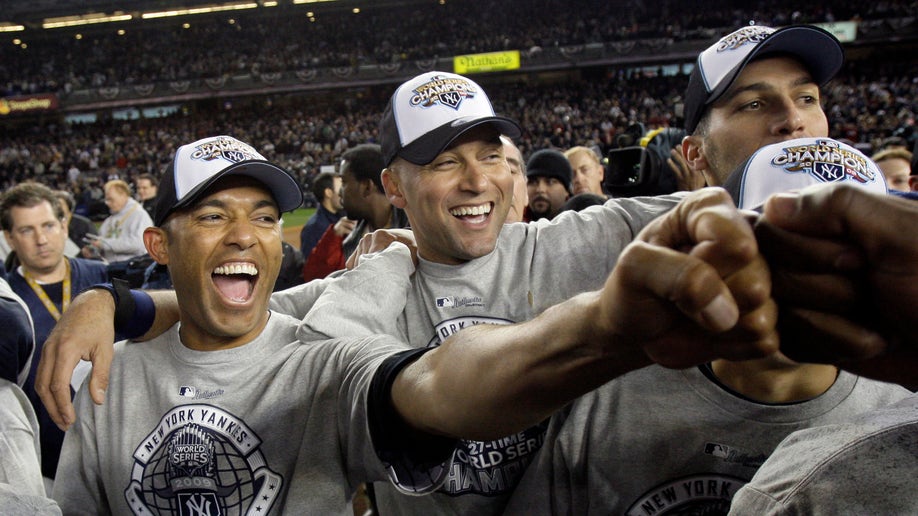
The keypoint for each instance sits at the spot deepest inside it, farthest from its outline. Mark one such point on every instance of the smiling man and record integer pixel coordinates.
(214, 415)
(446, 168)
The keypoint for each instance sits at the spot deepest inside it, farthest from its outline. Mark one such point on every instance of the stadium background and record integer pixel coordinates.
(304, 80)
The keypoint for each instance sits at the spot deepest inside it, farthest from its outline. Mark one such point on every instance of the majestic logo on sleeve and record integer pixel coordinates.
(201, 461)
(826, 161)
(446, 91)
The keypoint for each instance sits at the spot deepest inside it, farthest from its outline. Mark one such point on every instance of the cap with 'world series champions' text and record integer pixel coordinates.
(427, 113)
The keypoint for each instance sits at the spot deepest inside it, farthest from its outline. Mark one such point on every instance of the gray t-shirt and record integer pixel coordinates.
(273, 426)
(533, 267)
(868, 465)
(663, 441)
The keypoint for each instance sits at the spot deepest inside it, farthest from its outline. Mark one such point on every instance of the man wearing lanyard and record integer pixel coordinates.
(32, 221)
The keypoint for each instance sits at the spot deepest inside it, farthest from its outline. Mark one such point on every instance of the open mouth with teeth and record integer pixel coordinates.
(236, 281)
(475, 214)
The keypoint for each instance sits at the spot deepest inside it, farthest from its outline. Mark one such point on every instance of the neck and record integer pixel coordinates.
(48, 275)
(382, 215)
(328, 206)
(775, 381)
(201, 338)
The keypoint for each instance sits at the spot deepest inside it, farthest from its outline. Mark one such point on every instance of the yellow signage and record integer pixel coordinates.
(15, 105)
(490, 62)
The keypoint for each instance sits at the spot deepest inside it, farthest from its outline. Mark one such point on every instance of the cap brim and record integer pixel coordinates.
(427, 147)
(285, 190)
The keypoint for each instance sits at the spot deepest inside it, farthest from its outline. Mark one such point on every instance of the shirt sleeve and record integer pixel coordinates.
(417, 463)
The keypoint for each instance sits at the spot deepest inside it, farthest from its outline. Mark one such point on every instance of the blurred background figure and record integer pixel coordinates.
(895, 162)
(327, 191)
(548, 181)
(518, 170)
(146, 186)
(588, 171)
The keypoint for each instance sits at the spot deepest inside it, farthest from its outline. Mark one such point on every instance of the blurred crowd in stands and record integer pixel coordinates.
(866, 104)
(282, 38)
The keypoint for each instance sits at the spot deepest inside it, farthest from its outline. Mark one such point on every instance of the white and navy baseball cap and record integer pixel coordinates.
(797, 164)
(427, 113)
(720, 64)
(197, 166)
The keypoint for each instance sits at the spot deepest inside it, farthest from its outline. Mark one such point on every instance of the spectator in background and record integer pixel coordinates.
(146, 186)
(895, 162)
(366, 205)
(32, 220)
(327, 190)
(121, 233)
(548, 178)
(587, 170)
(518, 171)
(77, 225)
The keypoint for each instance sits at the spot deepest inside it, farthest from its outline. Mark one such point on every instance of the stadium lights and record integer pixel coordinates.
(84, 19)
(298, 2)
(11, 27)
(199, 10)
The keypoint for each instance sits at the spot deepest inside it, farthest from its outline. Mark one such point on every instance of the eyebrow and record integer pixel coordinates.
(802, 80)
(217, 203)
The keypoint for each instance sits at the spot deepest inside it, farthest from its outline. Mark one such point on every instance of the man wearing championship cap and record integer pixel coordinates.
(226, 413)
(445, 167)
(754, 87)
(664, 441)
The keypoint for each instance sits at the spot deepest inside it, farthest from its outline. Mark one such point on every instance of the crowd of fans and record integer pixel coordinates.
(284, 39)
(865, 107)
(866, 104)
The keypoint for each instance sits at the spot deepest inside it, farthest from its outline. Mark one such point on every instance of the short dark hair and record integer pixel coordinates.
(366, 162)
(323, 181)
(149, 177)
(27, 195)
(67, 197)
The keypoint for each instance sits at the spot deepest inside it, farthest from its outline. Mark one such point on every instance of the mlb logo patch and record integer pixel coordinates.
(828, 172)
(186, 391)
(444, 302)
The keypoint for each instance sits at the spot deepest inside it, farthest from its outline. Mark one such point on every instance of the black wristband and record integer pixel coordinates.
(124, 302)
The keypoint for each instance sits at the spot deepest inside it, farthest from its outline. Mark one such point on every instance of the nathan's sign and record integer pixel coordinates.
(27, 103)
(490, 62)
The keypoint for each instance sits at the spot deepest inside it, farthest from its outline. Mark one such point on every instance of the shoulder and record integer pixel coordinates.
(89, 267)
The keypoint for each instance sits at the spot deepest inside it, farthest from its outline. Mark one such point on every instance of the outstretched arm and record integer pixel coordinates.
(692, 287)
(86, 331)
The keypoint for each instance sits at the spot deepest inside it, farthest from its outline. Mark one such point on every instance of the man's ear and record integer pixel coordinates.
(392, 186)
(913, 183)
(156, 240)
(693, 152)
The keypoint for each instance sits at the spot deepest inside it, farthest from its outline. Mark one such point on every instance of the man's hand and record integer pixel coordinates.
(693, 287)
(845, 265)
(67, 344)
(380, 239)
(344, 226)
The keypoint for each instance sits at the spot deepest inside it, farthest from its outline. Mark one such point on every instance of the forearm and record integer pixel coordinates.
(489, 381)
